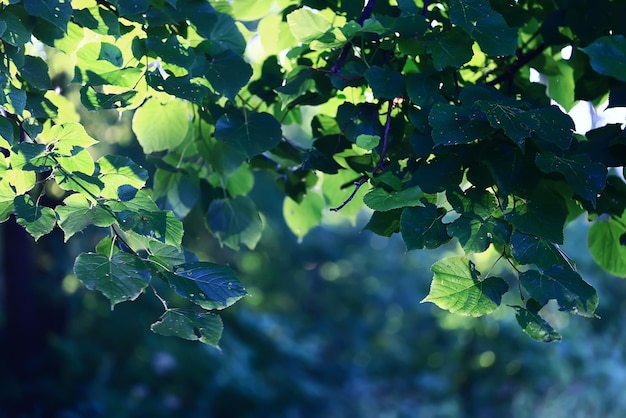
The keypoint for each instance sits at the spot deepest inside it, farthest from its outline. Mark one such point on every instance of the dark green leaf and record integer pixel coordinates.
(555, 127)
(457, 124)
(421, 227)
(38, 220)
(385, 223)
(93, 100)
(530, 249)
(535, 326)
(209, 285)
(457, 288)
(250, 132)
(565, 286)
(35, 72)
(56, 12)
(121, 277)
(451, 48)
(385, 83)
(516, 123)
(204, 327)
(475, 235)
(607, 55)
(228, 73)
(178, 191)
(587, 178)
(235, 221)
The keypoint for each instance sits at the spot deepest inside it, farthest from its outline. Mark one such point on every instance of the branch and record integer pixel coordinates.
(360, 182)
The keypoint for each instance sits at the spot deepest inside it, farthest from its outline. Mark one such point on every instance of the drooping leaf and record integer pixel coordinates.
(534, 325)
(531, 249)
(564, 285)
(421, 227)
(37, 220)
(161, 127)
(177, 190)
(307, 24)
(458, 288)
(189, 325)
(121, 277)
(385, 83)
(605, 240)
(235, 221)
(251, 133)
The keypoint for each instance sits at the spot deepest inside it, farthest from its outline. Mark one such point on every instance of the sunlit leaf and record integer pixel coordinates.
(606, 244)
(159, 126)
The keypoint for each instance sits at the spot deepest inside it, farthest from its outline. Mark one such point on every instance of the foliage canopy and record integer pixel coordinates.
(425, 112)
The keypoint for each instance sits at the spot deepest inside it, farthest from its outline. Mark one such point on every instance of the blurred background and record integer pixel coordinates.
(333, 328)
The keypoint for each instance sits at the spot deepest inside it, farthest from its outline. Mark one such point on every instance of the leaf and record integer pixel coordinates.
(69, 136)
(35, 72)
(204, 327)
(303, 216)
(162, 225)
(564, 285)
(607, 56)
(587, 178)
(92, 100)
(235, 221)
(367, 142)
(421, 227)
(78, 213)
(307, 24)
(384, 223)
(451, 48)
(56, 12)
(485, 25)
(250, 132)
(606, 245)
(457, 288)
(385, 83)
(161, 127)
(555, 127)
(209, 285)
(381, 200)
(228, 73)
(531, 249)
(116, 171)
(120, 278)
(516, 123)
(475, 235)
(454, 125)
(177, 191)
(38, 220)
(535, 326)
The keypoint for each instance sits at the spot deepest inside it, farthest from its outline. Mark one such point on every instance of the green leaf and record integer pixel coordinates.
(121, 277)
(475, 235)
(367, 142)
(209, 285)
(38, 220)
(381, 200)
(302, 217)
(555, 127)
(204, 327)
(607, 56)
(35, 72)
(162, 225)
(161, 127)
(605, 240)
(516, 123)
(78, 213)
(384, 223)
(116, 171)
(307, 24)
(542, 214)
(457, 124)
(451, 48)
(235, 221)
(457, 288)
(385, 83)
(92, 100)
(587, 178)
(534, 325)
(250, 132)
(531, 249)
(56, 12)
(177, 190)
(421, 227)
(486, 26)
(16, 33)
(228, 73)
(564, 285)
(69, 136)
